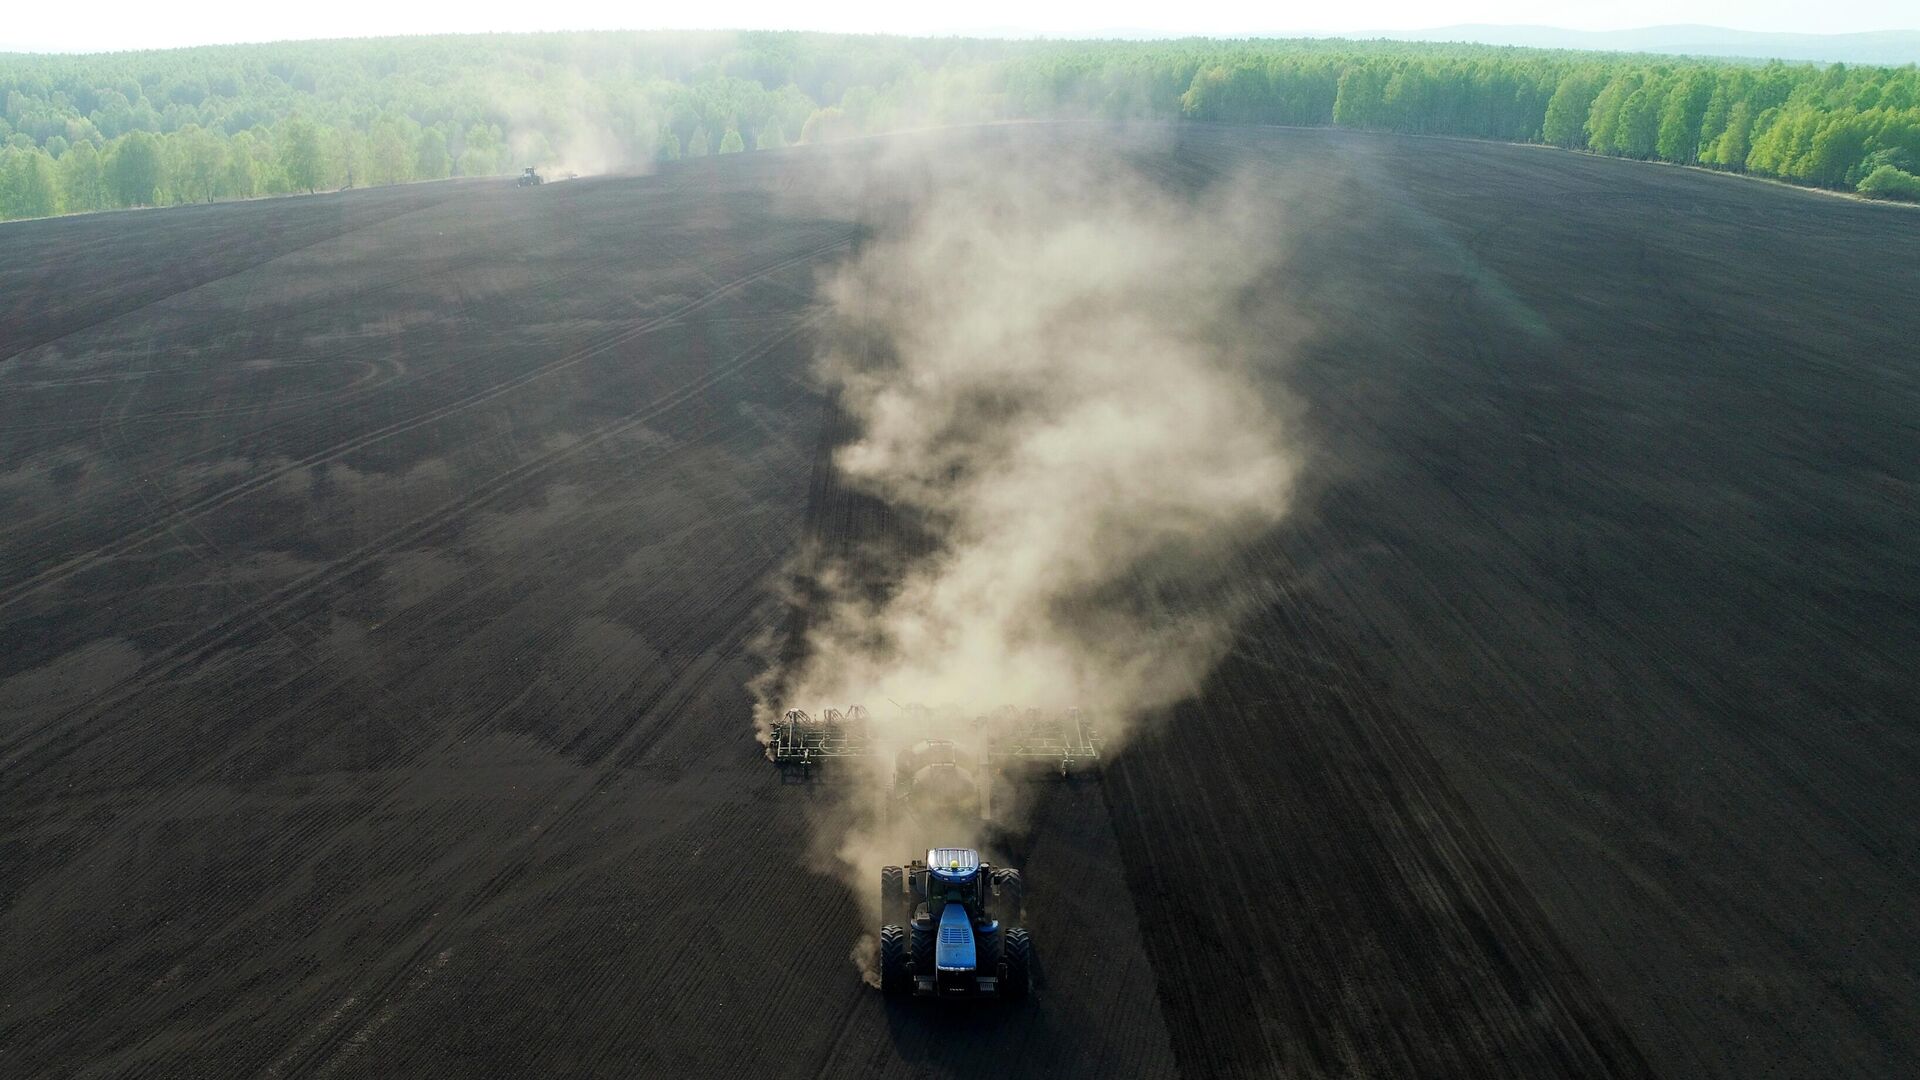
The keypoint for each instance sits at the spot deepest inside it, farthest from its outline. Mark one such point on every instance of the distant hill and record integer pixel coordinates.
(1889, 47)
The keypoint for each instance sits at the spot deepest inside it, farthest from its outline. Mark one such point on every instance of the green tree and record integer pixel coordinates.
(1678, 133)
(268, 177)
(479, 152)
(1782, 139)
(81, 130)
(1237, 93)
(697, 146)
(770, 137)
(134, 170)
(1730, 150)
(1407, 103)
(1838, 145)
(8, 154)
(83, 179)
(1713, 122)
(1771, 142)
(29, 185)
(1604, 132)
(389, 159)
(239, 179)
(669, 146)
(1358, 99)
(1640, 122)
(302, 158)
(345, 153)
(731, 142)
(430, 158)
(1565, 123)
(200, 159)
(1888, 182)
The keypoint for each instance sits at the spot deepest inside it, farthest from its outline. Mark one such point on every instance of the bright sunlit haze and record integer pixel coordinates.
(121, 26)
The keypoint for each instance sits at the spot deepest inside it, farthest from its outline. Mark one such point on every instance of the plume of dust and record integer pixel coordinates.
(1048, 374)
(575, 126)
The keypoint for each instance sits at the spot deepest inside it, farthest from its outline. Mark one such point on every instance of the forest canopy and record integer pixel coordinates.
(94, 132)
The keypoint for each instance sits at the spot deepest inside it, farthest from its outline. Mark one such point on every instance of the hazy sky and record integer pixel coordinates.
(116, 24)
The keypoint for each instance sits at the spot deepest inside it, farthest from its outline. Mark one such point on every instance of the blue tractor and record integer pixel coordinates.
(944, 934)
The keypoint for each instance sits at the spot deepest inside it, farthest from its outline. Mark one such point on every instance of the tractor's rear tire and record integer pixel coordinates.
(896, 979)
(920, 947)
(1016, 965)
(1011, 890)
(893, 895)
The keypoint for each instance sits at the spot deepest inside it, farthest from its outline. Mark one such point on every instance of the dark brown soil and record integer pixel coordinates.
(378, 573)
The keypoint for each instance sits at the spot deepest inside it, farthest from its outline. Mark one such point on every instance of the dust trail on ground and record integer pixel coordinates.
(1049, 377)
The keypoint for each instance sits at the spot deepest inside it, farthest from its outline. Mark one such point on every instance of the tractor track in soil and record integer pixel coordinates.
(380, 579)
(193, 651)
(14, 592)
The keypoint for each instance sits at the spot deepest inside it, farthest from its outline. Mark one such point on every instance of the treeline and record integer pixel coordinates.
(139, 129)
(1835, 127)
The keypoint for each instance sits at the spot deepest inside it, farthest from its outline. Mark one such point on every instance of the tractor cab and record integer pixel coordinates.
(953, 869)
(953, 880)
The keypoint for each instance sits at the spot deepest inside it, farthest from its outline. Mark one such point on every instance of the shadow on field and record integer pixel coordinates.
(941, 1036)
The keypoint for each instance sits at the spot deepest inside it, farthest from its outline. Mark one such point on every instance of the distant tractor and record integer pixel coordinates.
(530, 178)
(945, 929)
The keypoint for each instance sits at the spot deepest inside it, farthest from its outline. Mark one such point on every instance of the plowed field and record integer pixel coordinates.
(379, 573)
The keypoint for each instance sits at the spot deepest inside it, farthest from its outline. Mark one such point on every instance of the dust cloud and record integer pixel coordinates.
(1052, 388)
(575, 141)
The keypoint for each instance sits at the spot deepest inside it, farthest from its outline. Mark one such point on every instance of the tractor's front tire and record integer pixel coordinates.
(896, 980)
(920, 946)
(1016, 965)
